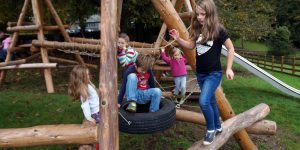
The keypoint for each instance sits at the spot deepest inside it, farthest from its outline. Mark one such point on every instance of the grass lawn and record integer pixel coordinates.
(25, 103)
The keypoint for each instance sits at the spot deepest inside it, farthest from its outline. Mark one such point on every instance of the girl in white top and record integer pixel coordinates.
(81, 87)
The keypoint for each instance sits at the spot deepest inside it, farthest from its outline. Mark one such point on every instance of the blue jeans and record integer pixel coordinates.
(142, 96)
(208, 84)
(180, 85)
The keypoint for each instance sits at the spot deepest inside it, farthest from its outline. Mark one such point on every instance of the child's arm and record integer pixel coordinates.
(87, 111)
(184, 43)
(229, 73)
(128, 56)
(164, 56)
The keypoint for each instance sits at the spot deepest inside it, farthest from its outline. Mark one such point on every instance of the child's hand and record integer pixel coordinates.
(229, 74)
(119, 105)
(87, 123)
(174, 34)
(162, 49)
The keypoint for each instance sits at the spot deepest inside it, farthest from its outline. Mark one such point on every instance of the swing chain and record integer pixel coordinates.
(128, 122)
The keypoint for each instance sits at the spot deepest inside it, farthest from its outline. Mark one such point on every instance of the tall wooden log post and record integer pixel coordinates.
(173, 21)
(14, 38)
(159, 40)
(109, 126)
(62, 28)
(36, 7)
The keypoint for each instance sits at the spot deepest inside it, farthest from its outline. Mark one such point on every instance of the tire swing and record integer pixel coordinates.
(144, 122)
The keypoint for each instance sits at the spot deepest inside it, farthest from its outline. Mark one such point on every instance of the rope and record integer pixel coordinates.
(128, 122)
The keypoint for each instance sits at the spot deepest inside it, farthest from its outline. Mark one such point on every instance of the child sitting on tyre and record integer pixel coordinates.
(138, 85)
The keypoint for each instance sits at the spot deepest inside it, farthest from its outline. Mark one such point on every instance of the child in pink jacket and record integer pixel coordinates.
(177, 63)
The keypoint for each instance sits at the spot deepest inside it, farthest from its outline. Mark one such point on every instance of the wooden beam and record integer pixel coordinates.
(20, 61)
(33, 28)
(262, 127)
(36, 7)
(61, 28)
(168, 68)
(109, 125)
(234, 125)
(62, 60)
(14, 39)
(186, 16)
(66, 45)
(227, 112)
(188, 5)
(30, 66)
(119, 14)
(48, 135)
(12, 24)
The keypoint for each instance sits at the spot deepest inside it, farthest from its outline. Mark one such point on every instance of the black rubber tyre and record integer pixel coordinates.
(144, 122)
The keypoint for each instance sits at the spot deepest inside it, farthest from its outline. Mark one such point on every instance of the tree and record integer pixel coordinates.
(279, 42)
(246, 19)
(288, 14)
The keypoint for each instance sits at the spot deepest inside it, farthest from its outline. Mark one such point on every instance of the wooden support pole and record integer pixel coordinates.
(227, 112)
(66, 45)
(30, 66)
(173, 21)
(186, 16)
(262, 127)
(48, 135)
(61, 28)
(20, 61)
(12, 24)
(234, 125)
(64, 61)
(33, 28)
(188, 5)
(168, 68)
(109, 125)
(14, 38)
(36, 7)
(119, 14)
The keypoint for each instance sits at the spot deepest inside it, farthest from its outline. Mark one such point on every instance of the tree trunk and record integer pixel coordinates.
(233, 125)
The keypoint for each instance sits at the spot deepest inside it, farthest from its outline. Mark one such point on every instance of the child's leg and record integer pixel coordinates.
(208, 84)
(177, 85)
(183, 86)
(152, 94)
(214, 105)
(131, 87)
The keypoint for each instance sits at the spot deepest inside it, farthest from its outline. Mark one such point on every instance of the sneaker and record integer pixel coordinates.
(175, 99)
(209, 137)
(131, 107)
(219, 131)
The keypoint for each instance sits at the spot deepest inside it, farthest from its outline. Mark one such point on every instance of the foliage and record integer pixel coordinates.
(248, 20)
(279, 42)
(288, 14)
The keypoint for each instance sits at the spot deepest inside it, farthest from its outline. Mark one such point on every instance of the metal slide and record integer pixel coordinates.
(264, 75)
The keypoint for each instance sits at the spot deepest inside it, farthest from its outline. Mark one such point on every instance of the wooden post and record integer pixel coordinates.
(294, 64)
(109, 126)
(61, 28)
(272, 62)
(227, 112)
(119, 14)
(282, 61)
(14, 38)
(159, 40)
(36, 7)
(188, 5)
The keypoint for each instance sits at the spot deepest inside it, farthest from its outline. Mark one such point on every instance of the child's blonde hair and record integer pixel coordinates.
(145, 61)
(211, 27)
(124, 36)
(78, 84)
(174, 50)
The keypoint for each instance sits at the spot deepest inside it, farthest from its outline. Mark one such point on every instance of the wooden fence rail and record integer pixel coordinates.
(284, 64)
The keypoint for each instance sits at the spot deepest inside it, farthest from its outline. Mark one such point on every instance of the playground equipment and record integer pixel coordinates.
(107, 132)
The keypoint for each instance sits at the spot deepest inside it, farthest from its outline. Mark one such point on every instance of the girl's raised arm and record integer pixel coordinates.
(184, 43)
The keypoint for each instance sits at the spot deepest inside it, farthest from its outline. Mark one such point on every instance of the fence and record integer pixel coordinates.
(284, 64)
